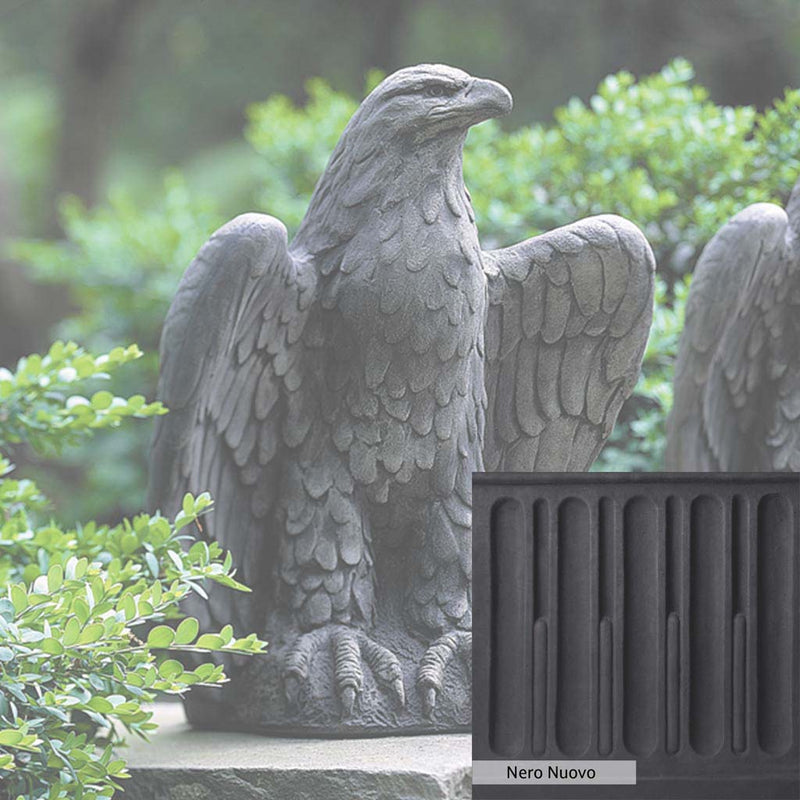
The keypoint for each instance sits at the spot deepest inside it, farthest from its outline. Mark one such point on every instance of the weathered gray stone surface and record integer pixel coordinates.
(737, 375)
(336, 393)
(181, 763)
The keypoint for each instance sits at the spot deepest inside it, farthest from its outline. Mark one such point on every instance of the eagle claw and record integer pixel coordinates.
(433, 666)
(350, 650)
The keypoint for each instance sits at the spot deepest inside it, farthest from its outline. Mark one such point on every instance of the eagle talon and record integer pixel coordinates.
(433, 667)
(429, 702)
(350, 650)
(291, 688)
(348, 699)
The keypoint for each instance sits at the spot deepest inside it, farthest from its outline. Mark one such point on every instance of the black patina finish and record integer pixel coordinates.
(646, 617)
(335, 395)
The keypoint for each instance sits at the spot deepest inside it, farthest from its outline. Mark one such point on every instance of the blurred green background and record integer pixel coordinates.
(129, 129)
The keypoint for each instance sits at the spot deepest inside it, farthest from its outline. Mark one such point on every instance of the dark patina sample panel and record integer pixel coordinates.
(639, 617)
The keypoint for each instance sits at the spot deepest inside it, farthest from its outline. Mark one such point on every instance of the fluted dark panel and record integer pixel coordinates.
(653, 618)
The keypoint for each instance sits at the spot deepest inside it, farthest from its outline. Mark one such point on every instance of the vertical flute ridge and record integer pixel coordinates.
(672, 694)
(739, 671)
(539, 722)
(605, 710)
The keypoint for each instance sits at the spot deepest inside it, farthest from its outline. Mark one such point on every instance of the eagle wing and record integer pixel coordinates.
(569, 315)
(231, 356)
(732, 349)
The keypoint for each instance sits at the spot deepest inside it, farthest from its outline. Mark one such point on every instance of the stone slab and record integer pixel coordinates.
(180, 763)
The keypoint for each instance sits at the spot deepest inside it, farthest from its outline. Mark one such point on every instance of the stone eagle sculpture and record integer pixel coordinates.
(737, 375)
(336, 394)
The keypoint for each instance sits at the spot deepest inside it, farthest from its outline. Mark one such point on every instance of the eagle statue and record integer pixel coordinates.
(336, 393)
(737, 376)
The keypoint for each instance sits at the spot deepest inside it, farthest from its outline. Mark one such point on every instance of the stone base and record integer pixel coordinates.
(181, 763)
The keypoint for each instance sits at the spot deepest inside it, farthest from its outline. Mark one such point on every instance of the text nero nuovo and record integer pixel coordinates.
(551, 772)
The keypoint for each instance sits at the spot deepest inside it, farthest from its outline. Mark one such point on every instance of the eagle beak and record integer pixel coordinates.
(486, 99)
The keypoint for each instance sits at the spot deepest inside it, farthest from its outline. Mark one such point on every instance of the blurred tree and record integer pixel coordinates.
(18, 296)
(146, 84)
(386, 20)
(91, 86)
(92, 79)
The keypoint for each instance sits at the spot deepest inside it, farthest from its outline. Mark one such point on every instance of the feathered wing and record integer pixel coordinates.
(569, 315)
(732, 350)
(231, 358)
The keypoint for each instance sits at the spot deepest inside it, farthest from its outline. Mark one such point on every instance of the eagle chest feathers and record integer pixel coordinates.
(414, 303)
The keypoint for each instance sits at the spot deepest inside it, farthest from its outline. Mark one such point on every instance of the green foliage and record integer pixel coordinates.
(74, 674)
(121, 263)
(39, 406)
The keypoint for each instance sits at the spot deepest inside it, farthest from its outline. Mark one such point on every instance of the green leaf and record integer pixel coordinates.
(188, 504)
(187, 631)
(100, 704)
(91, 633)
(226, 634)
(102, 400)
(10, 737)
(210, 641)
(162, 636)
(72, 630)
(55, 577)
(170, 668)
(81, 610)
(19, 597)
(128, 606)
(52, 646)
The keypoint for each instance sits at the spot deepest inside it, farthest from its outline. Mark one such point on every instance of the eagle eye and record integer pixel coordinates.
(438, 90)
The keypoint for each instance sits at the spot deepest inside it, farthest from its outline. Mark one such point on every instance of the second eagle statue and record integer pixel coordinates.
(335, 395)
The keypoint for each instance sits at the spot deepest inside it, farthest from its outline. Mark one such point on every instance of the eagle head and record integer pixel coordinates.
(409, 131)
(427, 100)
